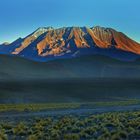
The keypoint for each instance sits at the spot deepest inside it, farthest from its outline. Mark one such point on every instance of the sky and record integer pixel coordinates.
(18, 18)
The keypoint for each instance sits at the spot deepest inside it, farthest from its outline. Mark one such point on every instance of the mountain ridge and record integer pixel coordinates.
(47, 42)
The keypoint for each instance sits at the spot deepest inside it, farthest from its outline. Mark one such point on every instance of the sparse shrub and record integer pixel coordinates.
(32, 137)
(20, 129)
(115, 137)
(3, 136)
(123, 135)
(71, 137)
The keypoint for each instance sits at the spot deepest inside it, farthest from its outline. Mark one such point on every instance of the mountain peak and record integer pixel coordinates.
(5, 43)
(45, 28)
(41, 30)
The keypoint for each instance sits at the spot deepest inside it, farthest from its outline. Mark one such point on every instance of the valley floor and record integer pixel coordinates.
(69, 90)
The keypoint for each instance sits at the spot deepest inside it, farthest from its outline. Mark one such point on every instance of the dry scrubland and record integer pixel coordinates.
(122, 125)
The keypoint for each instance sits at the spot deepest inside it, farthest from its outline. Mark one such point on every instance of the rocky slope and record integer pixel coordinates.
(72, 41)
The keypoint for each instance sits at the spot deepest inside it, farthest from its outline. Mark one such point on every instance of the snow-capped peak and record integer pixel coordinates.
(41, 30)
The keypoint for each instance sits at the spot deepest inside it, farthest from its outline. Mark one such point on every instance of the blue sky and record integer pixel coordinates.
(19, 18)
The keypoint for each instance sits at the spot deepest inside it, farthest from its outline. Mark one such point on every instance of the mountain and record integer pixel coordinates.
(47, 43)
(9, 48)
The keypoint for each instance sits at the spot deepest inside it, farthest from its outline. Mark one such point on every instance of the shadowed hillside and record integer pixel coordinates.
(19, 69)
(78, 79)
